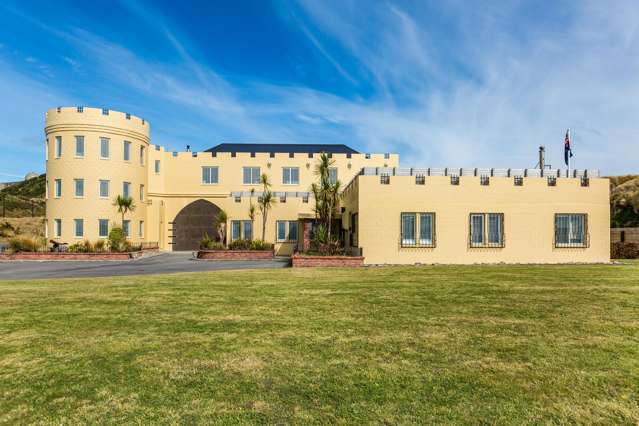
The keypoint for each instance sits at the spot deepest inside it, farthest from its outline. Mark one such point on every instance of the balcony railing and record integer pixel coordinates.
(492, 172)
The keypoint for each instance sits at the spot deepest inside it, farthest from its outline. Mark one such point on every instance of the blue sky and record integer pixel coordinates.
(444, 83)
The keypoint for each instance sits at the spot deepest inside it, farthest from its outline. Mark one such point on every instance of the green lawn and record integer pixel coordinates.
(465, 345)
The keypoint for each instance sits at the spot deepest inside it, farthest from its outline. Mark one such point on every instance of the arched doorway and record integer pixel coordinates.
(192, 222)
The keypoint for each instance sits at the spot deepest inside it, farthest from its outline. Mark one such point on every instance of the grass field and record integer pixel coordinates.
(464, 345)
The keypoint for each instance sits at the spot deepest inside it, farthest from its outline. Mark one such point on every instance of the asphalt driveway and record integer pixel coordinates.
(162, 263)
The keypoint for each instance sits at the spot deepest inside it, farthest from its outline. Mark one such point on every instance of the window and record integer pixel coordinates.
(241, 230)
(210, 175)
(386, 156)
(105, 111)
(104, 189)
(251, 175)
(126, 189)
(128, 116)
(484, 180)
(103, 228)
(420, 180)
(585, 181)
(57, 188)
(127, 151)
(236, 230)
(367, 156)
(126, 228)
(332, 175)
(141, 229)
(79, 187)
(570, 230)
(454, 180)
(408, 229)
(292, 230)
(552, 180)
(417, 229)
(57, 228)
(79, 227)
(58, 146)
(104, 147)
(141, 192)
(157, 166)
(291, 176)
(80, 109)
(384, 179)
(487, 230)
(142, 152)
(79, 146)
(281, 230)
(519, 181)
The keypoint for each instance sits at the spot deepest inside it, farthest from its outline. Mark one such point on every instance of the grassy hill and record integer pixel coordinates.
(24, 198)
(624, 201)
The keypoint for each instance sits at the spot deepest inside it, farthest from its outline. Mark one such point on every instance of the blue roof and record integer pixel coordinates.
(283, 148)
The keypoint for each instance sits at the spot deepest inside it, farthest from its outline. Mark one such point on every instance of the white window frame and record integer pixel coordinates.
(287, 175)
(141, 229)
(333, 175)
(75, 187)
(79, 142)
(58, 147)
(254, 180)
(105, 144)
(108, 188)
(207, 174)
(126, 189)
(57, 228)
(157, 167)
(100, 234)
(126, 151)
(142, 192)
(126, 227)
(142, 155)
(287, 231)
(57, 188)
(77, 222)
(242, 229)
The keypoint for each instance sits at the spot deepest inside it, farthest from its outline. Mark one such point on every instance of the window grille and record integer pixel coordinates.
(454, 180)
(519, 181)
(552, 180)
(80, 109)
(420, 180)
(417, 230)
(486, 230)
(571, 230)
(585, 181)
(105, 111)
(384, 179)
(484, 180)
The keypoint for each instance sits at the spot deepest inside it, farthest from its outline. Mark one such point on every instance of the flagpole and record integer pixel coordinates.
(569, 153)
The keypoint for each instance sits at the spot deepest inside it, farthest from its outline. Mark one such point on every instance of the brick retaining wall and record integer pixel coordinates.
(67, 256)
(327, 261)
(236, 254)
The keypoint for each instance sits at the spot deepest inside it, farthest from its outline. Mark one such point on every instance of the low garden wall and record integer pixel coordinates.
(236, 254)
(303, 261)
(25, 255)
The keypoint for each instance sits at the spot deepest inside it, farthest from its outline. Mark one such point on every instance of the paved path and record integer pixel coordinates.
(156, 264)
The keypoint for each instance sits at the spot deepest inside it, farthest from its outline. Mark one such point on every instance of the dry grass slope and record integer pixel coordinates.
(454, 345)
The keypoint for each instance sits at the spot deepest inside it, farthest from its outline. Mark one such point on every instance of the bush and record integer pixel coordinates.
(100, 245)
(624, 250)
(26, 244)
(240, 245)
(117, 240)
(206, 243)
(261, 245)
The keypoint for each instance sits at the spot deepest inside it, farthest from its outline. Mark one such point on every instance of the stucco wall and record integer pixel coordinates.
(93, 124)
(528, 219)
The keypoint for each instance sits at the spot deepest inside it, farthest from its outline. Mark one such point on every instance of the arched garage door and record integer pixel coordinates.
(192, 222)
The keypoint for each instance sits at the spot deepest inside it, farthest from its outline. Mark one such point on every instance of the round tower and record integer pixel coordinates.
(93, 155)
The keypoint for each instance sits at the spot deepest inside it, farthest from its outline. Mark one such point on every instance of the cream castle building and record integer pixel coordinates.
(388, 214)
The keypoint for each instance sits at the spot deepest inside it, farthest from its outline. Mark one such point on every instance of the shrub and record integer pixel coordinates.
(260, 245)
(621, 250)
(25, 244)
(240, 245)
(100, 245)
(117, 240)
